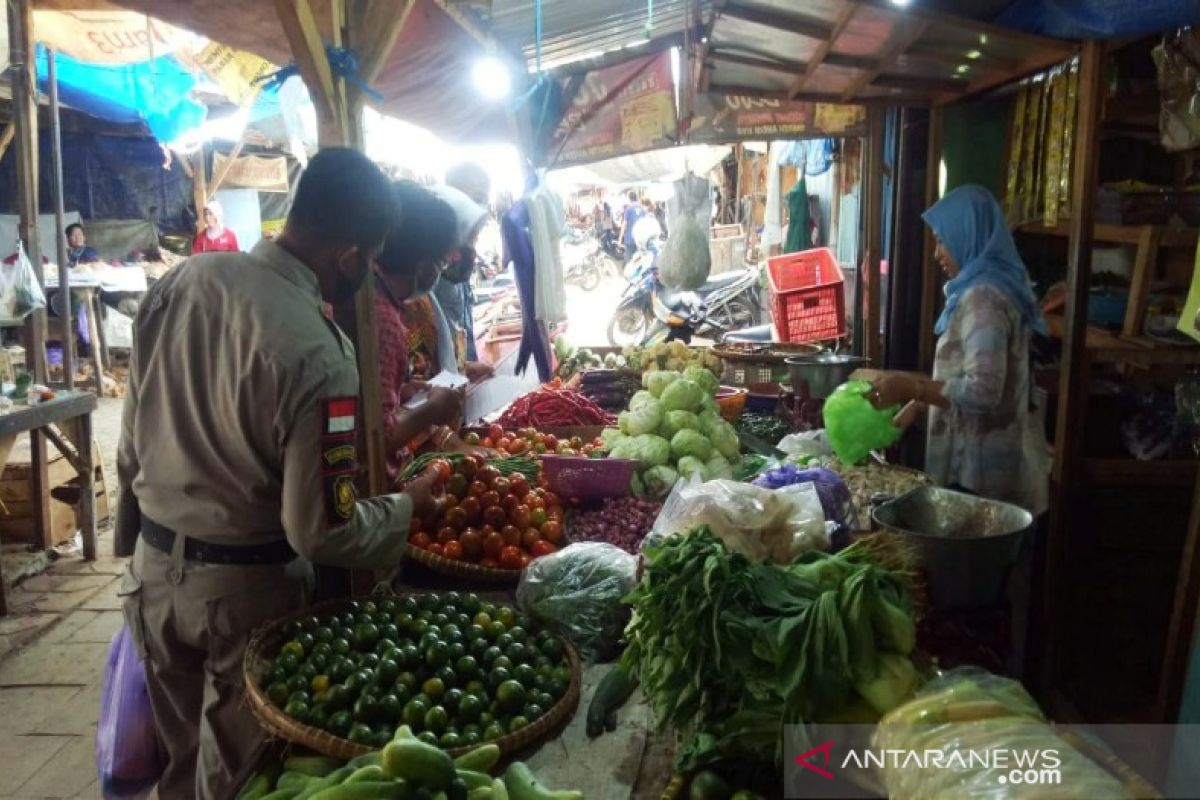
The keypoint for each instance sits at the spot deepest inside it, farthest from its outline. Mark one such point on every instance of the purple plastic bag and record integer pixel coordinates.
(129, 759)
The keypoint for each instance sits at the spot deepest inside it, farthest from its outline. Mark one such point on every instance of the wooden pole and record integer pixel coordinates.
(220, 175)
(6, 137)
(930, 274)
(64, 276)
(871, 284)
(200, 186)
(1065, 485)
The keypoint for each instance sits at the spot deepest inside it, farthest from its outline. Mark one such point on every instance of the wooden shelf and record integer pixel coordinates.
(1106, 347)
(1120, 234)
(1130, 471)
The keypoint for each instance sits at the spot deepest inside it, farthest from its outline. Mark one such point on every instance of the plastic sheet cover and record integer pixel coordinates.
(1097, 19)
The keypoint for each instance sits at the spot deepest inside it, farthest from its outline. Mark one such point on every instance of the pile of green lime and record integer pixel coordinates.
(456, 669)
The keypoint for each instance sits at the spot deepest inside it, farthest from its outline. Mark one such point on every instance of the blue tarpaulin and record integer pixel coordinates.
(1099, 19)
(154, 92)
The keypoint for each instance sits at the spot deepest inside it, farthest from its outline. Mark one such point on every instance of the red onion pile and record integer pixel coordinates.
(620, 521)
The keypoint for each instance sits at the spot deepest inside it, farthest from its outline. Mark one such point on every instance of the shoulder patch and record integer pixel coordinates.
(340, 497)
(338, 415)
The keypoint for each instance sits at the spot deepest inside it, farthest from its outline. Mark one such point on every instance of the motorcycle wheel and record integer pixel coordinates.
(628, 327)
(738, 313)
(590, 278)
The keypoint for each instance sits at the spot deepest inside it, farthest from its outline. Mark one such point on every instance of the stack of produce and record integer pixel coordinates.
(530, 440)
(870, 479)
(571, 361)
(456, 670)
(673, 428)
(552, 406)
(734, 649)
(610, 388)
(488, 519)
(620, 521)
(404, 768)
(767, 427)
(673, 356)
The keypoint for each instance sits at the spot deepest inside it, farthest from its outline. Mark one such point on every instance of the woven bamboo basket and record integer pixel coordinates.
(267, 640)
(471, 573)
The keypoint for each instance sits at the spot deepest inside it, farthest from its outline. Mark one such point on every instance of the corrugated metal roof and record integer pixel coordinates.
(573, 30)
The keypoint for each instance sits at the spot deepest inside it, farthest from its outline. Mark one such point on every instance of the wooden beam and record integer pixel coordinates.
(309, 51)
(872, 282)
(930, 272)
(1139, 284)
(1038, 61)
(465, 22)
(6, 137)
(784, 22)
(822, 97)
(1182, 625)
(933, 86)
(985, 60)
(220, 175)
(200, 187)
(904, 33)
(772, 64)
(379, 27)
(822, 52)
(1074, 368)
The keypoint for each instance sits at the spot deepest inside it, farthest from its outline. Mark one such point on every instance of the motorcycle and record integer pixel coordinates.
(649, 312)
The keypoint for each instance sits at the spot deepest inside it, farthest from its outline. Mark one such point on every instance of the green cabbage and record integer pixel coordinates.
(682, 395)
(645, 419)
(690, 465)
(658, 380)
(725, 439)
(702, 377)
(659, 481)
(636, 486)
(710, 421)
(719, 468)
(639, 399)
(650, 450)
(691, 443)
(609, 437)
(676, 421)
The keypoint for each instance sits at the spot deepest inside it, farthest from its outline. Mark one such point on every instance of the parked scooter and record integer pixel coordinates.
(649, 312)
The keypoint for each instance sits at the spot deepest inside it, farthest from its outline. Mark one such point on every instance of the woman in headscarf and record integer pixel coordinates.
(453, 290)
(215, 237)
(983, 434)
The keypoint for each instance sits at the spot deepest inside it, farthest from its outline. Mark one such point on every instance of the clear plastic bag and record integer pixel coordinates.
(686, 260)
(990, 724)
(20, 290)
(128, 758)
(756, 522)
(1178, 62)
(578, 591)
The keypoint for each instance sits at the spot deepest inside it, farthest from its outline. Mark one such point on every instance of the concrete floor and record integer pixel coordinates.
(53, 645)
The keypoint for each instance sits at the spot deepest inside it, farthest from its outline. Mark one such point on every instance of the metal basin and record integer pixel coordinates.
(966, 544)
(817, 376)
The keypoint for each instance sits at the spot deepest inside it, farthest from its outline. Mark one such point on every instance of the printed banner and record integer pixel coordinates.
(254, 172)
(617, 110)
(107, 37)
(233, 70)
(721, 118)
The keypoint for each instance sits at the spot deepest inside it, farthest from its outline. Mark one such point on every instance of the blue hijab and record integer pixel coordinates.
(971, 225)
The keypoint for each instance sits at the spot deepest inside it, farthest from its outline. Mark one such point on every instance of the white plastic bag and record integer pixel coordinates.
(808, 444)
(759, 523)
(686, 260)
(20, 290)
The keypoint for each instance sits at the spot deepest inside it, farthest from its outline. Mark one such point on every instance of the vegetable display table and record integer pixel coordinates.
(68, 410)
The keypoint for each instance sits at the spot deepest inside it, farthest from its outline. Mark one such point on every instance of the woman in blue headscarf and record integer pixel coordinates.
(983, 433)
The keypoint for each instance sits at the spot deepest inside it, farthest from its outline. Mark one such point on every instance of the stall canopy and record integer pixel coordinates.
(654, 166)
(1099, 19)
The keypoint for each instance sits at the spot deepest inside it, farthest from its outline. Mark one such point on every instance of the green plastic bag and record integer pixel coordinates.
(856, 427)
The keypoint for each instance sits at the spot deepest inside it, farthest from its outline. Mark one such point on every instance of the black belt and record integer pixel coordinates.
(160, 538)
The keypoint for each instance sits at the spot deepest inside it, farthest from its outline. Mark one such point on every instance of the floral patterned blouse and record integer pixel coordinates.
(990, 440)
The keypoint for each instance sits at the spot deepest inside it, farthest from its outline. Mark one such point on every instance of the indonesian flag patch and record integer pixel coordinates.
(340, 415)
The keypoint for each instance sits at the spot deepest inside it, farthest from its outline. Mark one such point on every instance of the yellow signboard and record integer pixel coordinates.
(233, 70)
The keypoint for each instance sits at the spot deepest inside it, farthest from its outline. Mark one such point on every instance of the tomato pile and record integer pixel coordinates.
(488, 519)
(531, 441)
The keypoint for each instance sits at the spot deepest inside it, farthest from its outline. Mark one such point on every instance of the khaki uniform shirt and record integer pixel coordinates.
(239, 420)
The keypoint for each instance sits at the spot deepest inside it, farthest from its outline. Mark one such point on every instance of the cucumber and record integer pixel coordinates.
(289, 779)
(366, 760)
(368, 790)
(420, 763)
(482, 793)
(318, 785)
(612, 692)
(402, 733)
(499, 790)
(260, 785)
(314, 766)
(481, 759)
(708, 785)
(522, 784)
(371, 772)
(475, 780)
(283, 794)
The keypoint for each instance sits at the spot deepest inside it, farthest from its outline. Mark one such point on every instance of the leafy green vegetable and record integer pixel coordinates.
(701, 376)
(689, 466)
(638, 399)
(659, 481)
(610, 437)
(676, 421)
(894, 681)
(691, 443)
(719, 468)
(682, 395)
(658, 380)
(646, 419)
(725, 439)
(650, 450)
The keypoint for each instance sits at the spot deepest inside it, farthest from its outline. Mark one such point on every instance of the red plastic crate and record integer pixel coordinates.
(806, 296)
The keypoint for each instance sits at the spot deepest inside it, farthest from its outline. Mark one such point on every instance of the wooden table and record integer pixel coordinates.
(66, 422)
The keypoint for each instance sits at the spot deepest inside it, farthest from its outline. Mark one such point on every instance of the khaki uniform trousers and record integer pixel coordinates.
(191, 622)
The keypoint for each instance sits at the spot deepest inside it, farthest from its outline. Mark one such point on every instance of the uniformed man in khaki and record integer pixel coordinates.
(237, 461)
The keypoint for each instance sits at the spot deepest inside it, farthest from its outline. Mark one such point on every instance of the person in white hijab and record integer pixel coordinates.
(215, 237)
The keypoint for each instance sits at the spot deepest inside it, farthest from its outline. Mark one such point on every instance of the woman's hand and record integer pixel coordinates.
(893, 389)
(445, 405)
(910, 414)
(477, 371)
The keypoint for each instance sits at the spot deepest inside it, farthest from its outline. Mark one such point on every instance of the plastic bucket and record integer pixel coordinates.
(966, 544)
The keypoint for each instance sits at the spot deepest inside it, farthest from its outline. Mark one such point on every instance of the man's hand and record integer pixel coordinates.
(477, 371)
(445, 405)
(910, 414)
(420, 491)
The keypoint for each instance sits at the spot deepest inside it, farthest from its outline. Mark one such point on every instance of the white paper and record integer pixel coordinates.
(489, 396)
(448, 380)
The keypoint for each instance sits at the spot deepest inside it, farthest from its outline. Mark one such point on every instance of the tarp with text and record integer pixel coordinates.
(721, 118)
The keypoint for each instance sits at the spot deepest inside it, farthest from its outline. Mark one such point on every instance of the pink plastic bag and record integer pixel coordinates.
(129, 759)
